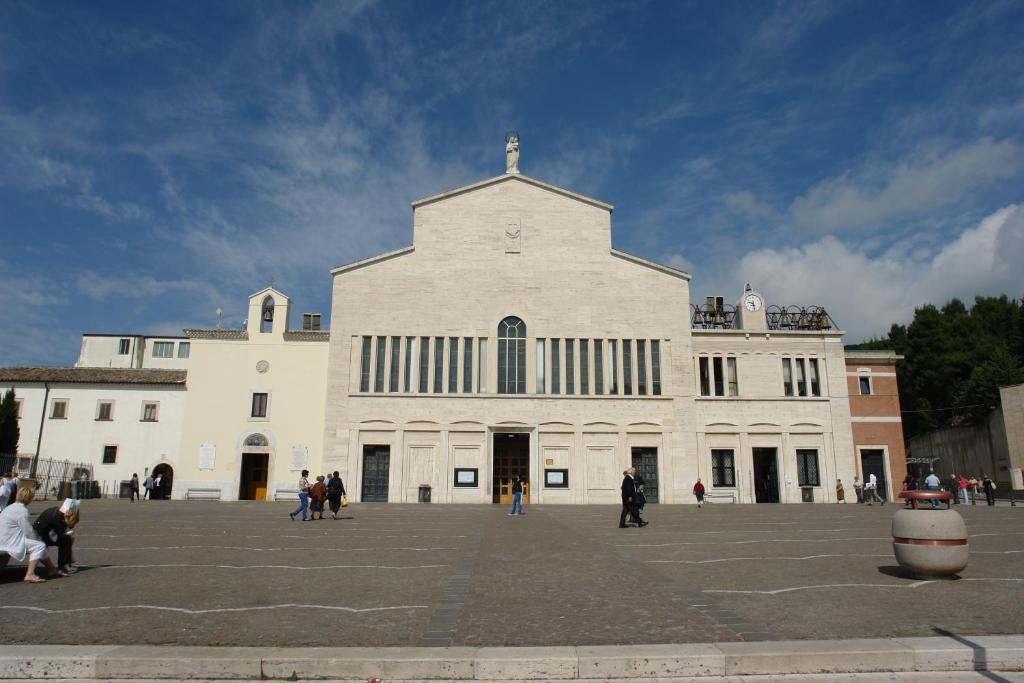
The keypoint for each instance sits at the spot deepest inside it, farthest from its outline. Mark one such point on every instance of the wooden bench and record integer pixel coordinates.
(720, 496)
(286, 494)
(202, 494)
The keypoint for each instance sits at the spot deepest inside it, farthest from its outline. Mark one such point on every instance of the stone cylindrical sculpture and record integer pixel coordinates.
(930, 544)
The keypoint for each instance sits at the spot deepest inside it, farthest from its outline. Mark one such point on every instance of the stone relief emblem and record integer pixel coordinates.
(513, 236)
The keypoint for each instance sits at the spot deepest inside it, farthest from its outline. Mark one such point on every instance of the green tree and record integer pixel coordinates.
(10, 433)
(980, 393)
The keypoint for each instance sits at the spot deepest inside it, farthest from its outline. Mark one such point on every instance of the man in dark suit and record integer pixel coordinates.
(629, 500)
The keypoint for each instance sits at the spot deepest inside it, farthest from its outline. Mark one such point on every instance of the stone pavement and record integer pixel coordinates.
(242, 574)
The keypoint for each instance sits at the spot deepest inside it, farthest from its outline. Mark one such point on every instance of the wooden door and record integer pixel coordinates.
(376, 470)
(511, 457)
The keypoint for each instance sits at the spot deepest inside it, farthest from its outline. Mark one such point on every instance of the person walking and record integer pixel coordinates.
(932, 483)
(303, 497)
(840, 492)
(990, 489)
(335, 490)
(858, 488)
(698, 492)
(158, 491)
(954, 488)
(962, 484)
(629, 503)
(909, 484)
(517, 497)
(872, 486)
(148, 485)
(317, 496)
(133, 488)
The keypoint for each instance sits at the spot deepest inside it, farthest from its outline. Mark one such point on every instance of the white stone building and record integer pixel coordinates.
(100, 350)
(512, 338)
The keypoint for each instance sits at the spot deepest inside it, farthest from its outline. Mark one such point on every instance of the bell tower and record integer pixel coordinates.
(751, 311)
(268, 313)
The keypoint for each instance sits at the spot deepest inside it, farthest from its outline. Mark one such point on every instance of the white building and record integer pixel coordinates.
(133, 351)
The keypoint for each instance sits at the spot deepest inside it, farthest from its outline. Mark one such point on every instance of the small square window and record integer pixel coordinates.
(163, 349)
(184, 348)
(105, 411)
(109, 455)
(865, 386)
(124, 346)
(59, 409)
(311, 322)
(259, 405)
(150, 412)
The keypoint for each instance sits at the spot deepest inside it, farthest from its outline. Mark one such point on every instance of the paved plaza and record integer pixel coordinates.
(208, 573)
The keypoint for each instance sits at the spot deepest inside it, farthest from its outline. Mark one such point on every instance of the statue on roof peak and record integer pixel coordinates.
(512, 152)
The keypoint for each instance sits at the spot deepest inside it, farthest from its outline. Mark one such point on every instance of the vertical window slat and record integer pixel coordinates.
(467, 365)
(598, 366)
(627, 367)
(613, 367)
(641, 367)
(584, 366)
(396, 363)
(570, 367)
(453, 365)
(556, 367)
(364, 365)
(438, 364)
(424, 364)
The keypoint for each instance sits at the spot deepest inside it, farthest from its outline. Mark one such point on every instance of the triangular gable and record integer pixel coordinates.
(509, 177)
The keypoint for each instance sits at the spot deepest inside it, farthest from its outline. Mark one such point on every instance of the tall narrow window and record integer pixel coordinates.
(259, 405)
(378, 366)
(719, 376)
(124, 346)
(511, 356)
(109, 455)
(570, 366)
(865, 385)
(584, 366)
(801, 383)
(410, 344)
(438, 364)
(730, 366)
(467, 365)
(812, 366)
(364, 365)
(453, 365)
(656, 367)
(396, 363)
(705, 375)
(150, 411)
(267, 315)
(613, 367)
(556, 367)
(807, 467)
(627, 367)
(540, 367)
(723, 472)
(424, 364)
(184, 348)
(641, 367)
(481, 367)
(598, 367)
(787, 377)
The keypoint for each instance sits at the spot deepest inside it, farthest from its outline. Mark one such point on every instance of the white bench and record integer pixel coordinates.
(720, 496)
(286, 494)
(202, 494)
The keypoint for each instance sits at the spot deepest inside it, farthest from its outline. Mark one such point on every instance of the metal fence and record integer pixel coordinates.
(55, 478)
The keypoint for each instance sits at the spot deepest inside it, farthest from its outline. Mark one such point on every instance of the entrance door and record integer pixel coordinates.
(253, 481)
(872, 461)
(376, 469)
(645, 460)
(511, 457)
(766, 475)
(166, 474)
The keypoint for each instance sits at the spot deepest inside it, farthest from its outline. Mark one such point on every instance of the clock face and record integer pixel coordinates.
(752, 302)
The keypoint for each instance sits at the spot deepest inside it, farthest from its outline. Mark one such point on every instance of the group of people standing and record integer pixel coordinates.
(153, 487)
(962, 488)
(328, 488)
(866, 491)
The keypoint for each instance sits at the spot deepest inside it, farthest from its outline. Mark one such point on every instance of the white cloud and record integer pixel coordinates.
(746, 203)
(867, 294)
(913, 187)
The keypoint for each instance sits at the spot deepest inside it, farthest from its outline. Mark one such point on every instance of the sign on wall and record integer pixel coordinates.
(207, 456)
(300, 458)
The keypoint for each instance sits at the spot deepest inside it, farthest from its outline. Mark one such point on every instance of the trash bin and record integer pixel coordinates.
(807, 494)
(424, 494)
(125, 490)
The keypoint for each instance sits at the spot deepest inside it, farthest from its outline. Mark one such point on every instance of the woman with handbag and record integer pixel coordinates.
(335, 490)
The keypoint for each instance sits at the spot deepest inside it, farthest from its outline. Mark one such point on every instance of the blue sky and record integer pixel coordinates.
(161, 160)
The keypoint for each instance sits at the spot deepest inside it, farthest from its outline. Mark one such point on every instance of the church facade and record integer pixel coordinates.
(512, 338)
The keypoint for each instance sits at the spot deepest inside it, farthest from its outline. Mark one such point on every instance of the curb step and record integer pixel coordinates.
(704, 663)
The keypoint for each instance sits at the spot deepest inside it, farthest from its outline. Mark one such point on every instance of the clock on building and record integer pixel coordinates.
(752, 302)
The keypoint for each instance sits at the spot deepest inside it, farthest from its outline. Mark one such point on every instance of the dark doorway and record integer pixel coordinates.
(253, 481)
(872, 461)
(511, 457)
(376, 470)
(166, 474)
(645, 460)
(766, 475)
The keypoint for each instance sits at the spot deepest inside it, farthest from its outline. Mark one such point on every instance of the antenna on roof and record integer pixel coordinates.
(220, 317)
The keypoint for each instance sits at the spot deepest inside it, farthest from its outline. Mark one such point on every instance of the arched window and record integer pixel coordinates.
(256, 441)
(511, 356)
(267, 315)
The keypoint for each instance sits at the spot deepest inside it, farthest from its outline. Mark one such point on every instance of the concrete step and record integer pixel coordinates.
(701, 662)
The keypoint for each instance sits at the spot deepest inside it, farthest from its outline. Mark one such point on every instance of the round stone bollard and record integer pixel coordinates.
(930, 544)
